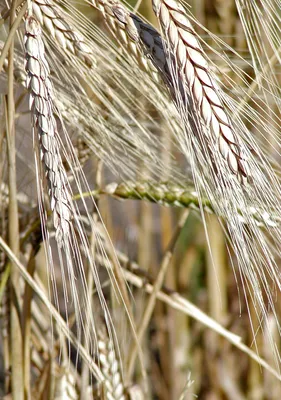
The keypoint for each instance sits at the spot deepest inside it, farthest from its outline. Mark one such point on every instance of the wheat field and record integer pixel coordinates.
(140, 212)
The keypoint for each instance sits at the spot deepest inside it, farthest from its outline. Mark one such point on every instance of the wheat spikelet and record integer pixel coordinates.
(192, 67)
(44, 123)
(50, 17)
(114, 386)
(65, 384)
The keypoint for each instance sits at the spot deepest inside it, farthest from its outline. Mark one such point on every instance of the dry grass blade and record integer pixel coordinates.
(16, 337)
(156, 289)
(62, 326)
(5, 316)
(212, 123)
(139, 278)
(44, 124)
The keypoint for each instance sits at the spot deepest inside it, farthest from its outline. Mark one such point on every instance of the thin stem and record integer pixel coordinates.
(157, 287)
(11, 35)
(15, 323)
(27, 298)
(4, 279)
(5, 13)
(140, 279)
(90, 287)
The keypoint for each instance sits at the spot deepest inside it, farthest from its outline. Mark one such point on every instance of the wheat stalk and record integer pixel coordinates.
(53, 21)
(44, 124)
(61, 324)
(192, 67)
(5, 311)
(19, 73)
(65, 215)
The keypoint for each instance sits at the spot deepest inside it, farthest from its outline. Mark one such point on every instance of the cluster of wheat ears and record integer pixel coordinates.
(119, 109)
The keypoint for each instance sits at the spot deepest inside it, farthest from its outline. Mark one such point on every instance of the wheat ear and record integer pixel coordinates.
(146, 43)
(192, 66)
(50, 17)
(44, 124)
(109, 363)
(65, 383)
(170, 194)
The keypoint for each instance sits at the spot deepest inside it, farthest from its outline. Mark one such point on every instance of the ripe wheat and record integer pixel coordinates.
(50, 17)
(213, 123)
(106, 133)
(69, 231)
(113, 385)
(45, 126)
(144, 42)
(141, 39)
